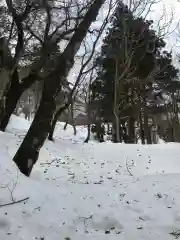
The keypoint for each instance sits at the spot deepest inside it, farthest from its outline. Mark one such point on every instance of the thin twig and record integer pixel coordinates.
(14, 202)
(127, 166)
(49, 163)
(84, 221)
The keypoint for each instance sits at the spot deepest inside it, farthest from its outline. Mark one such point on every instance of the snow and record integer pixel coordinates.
(89, 191)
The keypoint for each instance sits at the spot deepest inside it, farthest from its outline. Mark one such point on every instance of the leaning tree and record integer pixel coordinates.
(27, 154)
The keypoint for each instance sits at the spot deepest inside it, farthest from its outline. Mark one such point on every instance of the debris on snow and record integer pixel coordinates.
(89, 191)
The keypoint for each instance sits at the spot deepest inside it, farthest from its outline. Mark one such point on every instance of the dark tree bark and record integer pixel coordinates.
(28, 153)
(142, 113)
(9, 100)
(131, 129)
(16, 87)
(141, 128)
(72, 118)
(146, 127)
(65, 126)
(89, 113)
(121, 133)
(13, 89)
(114, 136)
(108, 128)
(99, 133)
(54, 121)
(11, 96)
(88, 134)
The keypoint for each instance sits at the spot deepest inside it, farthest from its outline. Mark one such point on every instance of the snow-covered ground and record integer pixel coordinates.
(89, 191)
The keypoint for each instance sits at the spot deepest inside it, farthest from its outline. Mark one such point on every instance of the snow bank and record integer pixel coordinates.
(89, 191)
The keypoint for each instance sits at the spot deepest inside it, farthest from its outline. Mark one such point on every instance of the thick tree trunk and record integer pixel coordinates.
(28, 152)
(11, 96)
(9, 100)
(12, 101)
(10, 105)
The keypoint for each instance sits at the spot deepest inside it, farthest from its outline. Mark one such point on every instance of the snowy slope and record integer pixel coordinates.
(89, 191)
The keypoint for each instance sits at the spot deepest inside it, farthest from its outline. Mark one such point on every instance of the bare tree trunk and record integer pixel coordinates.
(175, 120)
(11, 97)
(108, 128)
(170, 137)
(54, 121)
(14, 89)
(117, 129)
(37, 90)
(116, 110)
(88, 134)
(89, 112)
(9, 101)
(28, 153)
(72, 117)
(141, 128)
(75, 131)
(121, 128)
(65, 126)
(131, 129)
(146, 128)
(114, 136)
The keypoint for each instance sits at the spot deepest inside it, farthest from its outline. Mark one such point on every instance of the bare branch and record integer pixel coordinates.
(18, 19)
(14, 202)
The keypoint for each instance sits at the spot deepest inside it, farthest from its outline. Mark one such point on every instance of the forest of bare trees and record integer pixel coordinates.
(123, 76)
